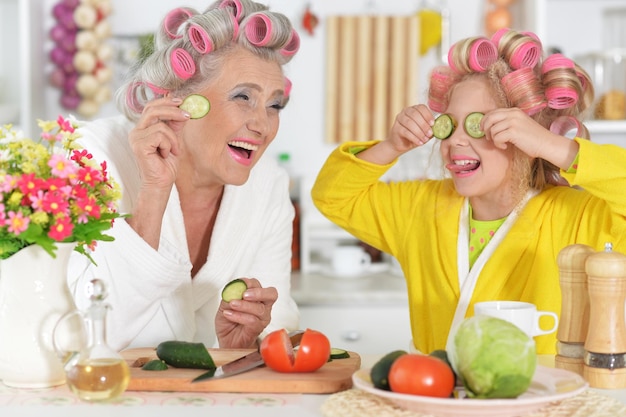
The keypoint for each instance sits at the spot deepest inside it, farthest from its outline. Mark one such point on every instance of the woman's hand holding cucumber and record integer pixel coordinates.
(241, 319)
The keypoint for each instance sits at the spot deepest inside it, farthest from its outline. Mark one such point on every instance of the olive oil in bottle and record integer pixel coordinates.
(99, 372)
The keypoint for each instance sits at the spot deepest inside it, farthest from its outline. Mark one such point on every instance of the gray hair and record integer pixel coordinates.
(190, 47)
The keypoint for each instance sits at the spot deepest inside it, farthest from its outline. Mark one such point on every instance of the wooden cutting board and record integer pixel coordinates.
(334, 376)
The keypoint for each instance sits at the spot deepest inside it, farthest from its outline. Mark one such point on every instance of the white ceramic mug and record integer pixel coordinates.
(523, 315)
(349, 261)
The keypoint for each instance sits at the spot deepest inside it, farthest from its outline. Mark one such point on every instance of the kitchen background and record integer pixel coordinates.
(357, 310)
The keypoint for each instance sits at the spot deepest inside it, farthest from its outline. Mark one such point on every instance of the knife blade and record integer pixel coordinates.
(245, 363)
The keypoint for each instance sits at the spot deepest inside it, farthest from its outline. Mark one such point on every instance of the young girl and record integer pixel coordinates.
(517, 191)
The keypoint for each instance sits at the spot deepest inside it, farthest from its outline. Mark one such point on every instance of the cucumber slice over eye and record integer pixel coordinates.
(234, 290)
(196, 105)
(444, 126)
(472, 125)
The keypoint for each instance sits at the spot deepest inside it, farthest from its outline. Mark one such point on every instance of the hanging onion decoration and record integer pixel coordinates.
(80, 54)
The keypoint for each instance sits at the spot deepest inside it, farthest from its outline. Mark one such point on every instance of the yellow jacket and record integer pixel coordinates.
(417, 222)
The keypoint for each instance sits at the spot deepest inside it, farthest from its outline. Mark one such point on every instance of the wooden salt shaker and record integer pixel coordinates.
(574, 318)
(605, 346)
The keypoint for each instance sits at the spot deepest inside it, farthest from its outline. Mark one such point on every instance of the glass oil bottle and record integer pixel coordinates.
(98, 373)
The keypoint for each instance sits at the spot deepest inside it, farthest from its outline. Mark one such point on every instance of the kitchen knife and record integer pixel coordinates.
(245, 363)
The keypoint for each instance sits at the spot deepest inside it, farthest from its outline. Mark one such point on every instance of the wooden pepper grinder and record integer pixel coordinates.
(574, 319)
(605, 347)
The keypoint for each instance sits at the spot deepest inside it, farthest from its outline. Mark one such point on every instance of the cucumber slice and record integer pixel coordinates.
(234, 290)
(336, 353)
(472, 125)
(196, 105)
(155, 365)
(444, 126)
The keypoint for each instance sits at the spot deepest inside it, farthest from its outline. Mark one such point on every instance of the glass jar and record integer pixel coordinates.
(607, 70)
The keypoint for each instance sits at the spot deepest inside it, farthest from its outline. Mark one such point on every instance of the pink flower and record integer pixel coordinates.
(61, 229)
(7, 183)
(65, 124)
(89, 207)
(54, 203)
(89, 176)
(17, 222)
(61, 167)
(29, 184)
(36, 200)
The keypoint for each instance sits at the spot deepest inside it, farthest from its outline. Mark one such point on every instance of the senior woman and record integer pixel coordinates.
(204, 206)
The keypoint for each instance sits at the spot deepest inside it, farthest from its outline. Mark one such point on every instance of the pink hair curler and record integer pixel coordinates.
(173, 20)
(292, 45)
(450, 60)
(199, 39)
(522, 87)
(526, 55)
(583, 80)
(288, 86)
(483, 53)
(258, 29)
(439, 85)
(563, 124)
(157, 90)
(495, 38)
(131, 98)
(234, 5)
(556, 61)
(182, 63)
(561, 97)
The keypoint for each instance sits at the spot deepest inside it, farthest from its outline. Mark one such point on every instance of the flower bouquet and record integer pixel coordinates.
(52, 191)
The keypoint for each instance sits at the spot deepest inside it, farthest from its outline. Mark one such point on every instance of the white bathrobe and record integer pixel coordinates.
(152, 295)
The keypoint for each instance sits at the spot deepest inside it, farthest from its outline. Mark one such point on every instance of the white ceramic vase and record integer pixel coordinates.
(33, 296)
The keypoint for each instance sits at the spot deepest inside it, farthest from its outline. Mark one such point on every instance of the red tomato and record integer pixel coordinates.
(278, 353)
(421, 375)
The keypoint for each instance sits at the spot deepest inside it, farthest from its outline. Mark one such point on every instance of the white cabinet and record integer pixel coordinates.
(367, 315)
(364, 329)
(21, 47)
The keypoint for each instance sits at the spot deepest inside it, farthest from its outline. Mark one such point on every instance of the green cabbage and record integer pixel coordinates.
(494, 358)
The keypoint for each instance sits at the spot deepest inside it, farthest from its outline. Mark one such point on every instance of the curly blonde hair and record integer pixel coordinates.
(555, 91)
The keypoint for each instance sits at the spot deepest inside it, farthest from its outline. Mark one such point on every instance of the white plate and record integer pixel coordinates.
(548, 385)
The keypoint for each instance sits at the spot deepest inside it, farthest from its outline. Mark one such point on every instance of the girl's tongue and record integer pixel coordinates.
(463, 166)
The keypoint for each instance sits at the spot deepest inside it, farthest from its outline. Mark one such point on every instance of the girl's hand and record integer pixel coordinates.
(512, 125)
(239, 323)
(412, 128)
(155, 141)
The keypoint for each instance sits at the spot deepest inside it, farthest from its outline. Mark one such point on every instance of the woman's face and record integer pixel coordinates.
(246, 98)
(478, 168)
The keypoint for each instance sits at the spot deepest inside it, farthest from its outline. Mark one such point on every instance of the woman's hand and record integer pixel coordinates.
(239, 323)
(156, 144)
(412, 128)
(155, 141)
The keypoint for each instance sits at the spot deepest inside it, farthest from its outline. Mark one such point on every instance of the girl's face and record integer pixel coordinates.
(480, 170)
(246, 98)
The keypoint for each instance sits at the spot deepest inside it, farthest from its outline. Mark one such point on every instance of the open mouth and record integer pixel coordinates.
(463, 166)
(242, 149)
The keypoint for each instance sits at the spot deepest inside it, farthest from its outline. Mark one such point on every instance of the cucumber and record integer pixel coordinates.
(185, 355)
(336, 353)
(444, 126)
(234, 290)
(155, 365)
(443, 355)
(380, 371)
(472, 125)
(196, 105)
